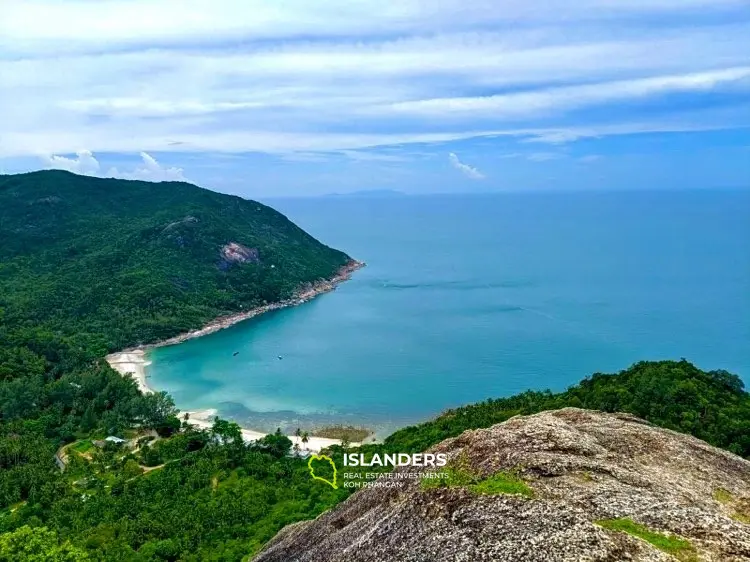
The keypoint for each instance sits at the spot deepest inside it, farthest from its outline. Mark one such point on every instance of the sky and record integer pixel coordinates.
(301, 97)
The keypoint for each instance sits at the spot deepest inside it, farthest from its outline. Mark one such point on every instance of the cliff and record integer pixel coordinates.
(594, 487)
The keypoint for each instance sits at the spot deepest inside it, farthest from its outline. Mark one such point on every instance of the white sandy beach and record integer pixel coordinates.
(204, 420)
(134, 363)
(131, 363)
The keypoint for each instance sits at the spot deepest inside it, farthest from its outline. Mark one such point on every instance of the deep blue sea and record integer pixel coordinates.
(477, 296)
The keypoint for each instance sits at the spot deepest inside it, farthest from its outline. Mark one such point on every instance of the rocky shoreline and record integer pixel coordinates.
(305, 294)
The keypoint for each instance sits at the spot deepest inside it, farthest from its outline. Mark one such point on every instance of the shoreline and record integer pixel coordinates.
(203, 419)
(134, 361)
(304, 295)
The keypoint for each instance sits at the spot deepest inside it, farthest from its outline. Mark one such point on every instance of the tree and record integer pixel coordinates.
(38, 544)
(156, 408)
(168, 427)
(226, 431)
(88, 421)
(131, 469)
(277, 444)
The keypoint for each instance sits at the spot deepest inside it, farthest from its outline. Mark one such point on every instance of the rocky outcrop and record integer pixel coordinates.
(187, 221)
(235, 252)
(181, 232)
(606, 487)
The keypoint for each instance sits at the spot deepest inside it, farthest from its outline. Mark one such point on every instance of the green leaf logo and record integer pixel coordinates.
(329, 460)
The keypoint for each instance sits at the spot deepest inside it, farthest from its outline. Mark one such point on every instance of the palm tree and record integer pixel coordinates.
(305, 438)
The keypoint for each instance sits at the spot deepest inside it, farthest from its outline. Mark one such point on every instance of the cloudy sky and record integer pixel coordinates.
(286, 97)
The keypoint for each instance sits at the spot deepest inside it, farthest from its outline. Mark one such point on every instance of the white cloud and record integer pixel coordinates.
(70, 24)
(558, 137)
(571, 97)
(86, 164)
(57, 140)
(369, 156)
(468, 171)
(295, 76)
(151, 170)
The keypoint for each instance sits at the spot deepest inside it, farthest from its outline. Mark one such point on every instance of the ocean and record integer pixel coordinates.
(470, 297)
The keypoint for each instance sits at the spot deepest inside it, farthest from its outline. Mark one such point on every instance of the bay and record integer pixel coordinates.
(477, 296)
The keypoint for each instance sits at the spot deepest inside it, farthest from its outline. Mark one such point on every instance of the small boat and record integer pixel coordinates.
(280, 357)
(235, 354)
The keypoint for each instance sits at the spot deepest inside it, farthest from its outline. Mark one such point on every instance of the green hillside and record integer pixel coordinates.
(711, 405)
(138, 261)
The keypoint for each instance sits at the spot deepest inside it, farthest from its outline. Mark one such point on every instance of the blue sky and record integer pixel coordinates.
(300, 97)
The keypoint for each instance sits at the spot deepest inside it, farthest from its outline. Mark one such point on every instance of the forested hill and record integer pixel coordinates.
(137, 261)
(712, 405)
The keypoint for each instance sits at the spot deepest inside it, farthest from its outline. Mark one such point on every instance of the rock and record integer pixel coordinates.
(586, 468)
(237, 253)
(187, 221)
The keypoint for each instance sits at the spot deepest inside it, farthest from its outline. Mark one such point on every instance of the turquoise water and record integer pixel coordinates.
(466, 298)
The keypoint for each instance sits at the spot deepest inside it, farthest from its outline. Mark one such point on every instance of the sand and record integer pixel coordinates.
(203, 419)
(132, 363)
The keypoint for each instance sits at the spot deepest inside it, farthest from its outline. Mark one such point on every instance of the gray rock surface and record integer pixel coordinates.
(583, 467)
